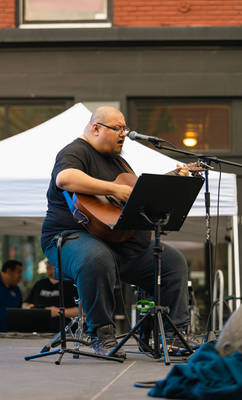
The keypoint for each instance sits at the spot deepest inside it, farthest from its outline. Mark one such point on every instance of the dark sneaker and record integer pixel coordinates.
(105, 341)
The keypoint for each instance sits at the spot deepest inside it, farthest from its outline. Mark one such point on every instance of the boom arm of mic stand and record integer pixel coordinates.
(203, 157)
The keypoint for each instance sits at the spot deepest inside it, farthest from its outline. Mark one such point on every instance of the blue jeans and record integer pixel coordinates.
(93, 266)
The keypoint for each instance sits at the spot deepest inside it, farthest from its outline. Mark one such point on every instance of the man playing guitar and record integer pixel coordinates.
(89, 166)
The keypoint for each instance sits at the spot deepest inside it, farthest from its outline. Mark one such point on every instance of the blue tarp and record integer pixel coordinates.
(206, 376)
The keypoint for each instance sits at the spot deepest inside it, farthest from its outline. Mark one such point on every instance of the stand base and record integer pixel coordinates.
(75, 353)
(157, 313)
(75, 336)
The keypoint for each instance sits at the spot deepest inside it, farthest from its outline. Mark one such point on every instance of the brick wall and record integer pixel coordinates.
(177, 12)
(7, 13)
(158, 13)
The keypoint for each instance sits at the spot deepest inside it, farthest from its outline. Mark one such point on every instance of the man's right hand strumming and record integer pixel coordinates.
(122, 192)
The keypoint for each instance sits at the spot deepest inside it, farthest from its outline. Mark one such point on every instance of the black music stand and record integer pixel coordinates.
(160, 203)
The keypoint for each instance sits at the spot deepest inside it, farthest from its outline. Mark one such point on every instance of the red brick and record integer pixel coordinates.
(169, 13)
(7, 13)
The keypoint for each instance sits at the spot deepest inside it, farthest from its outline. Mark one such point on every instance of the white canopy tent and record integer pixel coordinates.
(27, 159)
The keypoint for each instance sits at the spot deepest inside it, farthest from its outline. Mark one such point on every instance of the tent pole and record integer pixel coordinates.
(236, 259)
(230, 273)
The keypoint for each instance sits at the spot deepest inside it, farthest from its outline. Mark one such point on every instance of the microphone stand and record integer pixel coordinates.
(204, 162)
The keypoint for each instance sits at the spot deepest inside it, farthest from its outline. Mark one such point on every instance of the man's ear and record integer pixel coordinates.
(96, 129)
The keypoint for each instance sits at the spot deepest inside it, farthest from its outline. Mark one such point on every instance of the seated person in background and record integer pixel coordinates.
(10, 294)
(45, 294)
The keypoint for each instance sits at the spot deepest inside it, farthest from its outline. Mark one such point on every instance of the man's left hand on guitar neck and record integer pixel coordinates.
(183, 170)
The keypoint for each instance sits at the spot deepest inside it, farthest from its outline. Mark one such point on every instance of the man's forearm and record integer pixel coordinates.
(77, 181)
(74, 180)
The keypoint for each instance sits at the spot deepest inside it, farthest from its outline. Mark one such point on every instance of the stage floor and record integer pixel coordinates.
(85, 378)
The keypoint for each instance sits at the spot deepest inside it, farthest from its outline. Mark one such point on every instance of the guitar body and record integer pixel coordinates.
(102, 214)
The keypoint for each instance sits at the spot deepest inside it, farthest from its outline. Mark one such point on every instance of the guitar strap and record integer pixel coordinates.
(78, 216)
(125, 165)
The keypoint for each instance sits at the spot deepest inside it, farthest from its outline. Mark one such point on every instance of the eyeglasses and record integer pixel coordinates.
(117, 129)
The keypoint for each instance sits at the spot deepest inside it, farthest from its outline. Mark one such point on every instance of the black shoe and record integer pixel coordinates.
(105, 342)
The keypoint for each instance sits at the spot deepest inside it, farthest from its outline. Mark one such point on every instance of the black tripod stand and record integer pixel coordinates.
(63, 339)
(157, 211)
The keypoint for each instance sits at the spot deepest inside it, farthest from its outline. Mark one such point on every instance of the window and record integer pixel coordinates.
(18, 116)
(62, 11)
(199, 125)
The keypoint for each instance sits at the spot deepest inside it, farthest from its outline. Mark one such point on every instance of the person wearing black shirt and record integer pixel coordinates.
(89, 165)
(45, 294)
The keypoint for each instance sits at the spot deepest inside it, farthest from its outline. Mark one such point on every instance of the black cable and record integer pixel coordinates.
(212, 273)
(225, 303)
(217, 222)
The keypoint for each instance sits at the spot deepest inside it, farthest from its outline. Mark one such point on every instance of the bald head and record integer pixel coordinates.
(103, 130)
(104, 114)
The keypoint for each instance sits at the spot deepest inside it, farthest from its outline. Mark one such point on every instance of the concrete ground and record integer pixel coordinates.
(85, 378)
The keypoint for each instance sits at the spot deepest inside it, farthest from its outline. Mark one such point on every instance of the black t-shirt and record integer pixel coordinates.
(45, 294)
(81, 155)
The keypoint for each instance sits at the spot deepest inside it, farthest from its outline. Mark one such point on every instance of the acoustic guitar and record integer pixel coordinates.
(102, 212)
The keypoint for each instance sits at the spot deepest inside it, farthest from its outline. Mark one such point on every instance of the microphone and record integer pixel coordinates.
(137, 136)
